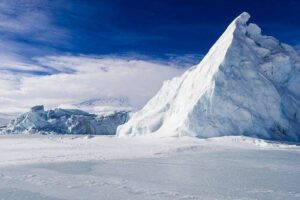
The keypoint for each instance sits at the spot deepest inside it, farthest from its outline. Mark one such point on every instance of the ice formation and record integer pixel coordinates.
(65, 121)
(247, 84)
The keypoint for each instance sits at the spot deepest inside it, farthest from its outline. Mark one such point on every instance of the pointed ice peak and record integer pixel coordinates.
(236, 29)
(244, 29)
(240, 24)
(242, 18)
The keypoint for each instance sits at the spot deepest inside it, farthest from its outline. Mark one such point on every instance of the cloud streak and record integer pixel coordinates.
(27, 29)
(79, 78)
(33, 71)
(27, 19)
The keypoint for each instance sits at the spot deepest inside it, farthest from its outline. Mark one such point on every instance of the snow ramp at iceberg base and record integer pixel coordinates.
(65, 121)
(247, 84)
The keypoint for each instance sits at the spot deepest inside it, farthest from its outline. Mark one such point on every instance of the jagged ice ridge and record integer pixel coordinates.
(65, 121)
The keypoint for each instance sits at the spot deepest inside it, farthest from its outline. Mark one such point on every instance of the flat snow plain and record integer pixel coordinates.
(102, 167)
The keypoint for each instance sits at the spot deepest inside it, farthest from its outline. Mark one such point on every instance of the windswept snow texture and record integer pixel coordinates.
(65, 121)
(52, 167)
(247, 84)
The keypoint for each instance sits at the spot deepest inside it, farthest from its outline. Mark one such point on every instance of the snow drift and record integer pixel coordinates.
(65, 121)
(247, 84)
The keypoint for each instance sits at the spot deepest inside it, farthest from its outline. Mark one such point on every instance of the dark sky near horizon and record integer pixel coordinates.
(154, 28)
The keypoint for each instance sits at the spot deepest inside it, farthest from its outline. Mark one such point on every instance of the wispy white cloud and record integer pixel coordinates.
(26, 18)
(29, 76)
(27, 28)
(81, 78)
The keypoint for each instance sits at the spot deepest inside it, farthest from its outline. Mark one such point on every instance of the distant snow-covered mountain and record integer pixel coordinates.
(105, 105)
(247, 84)
(106, 101)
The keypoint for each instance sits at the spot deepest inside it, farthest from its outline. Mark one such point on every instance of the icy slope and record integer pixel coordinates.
(247, 84)
(65, 121)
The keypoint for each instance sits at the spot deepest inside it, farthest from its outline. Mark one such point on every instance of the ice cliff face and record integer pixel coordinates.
(65, 121)
(247, 84)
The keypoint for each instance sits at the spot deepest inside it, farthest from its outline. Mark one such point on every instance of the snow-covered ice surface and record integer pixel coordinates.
(247, 84)
(51, 167)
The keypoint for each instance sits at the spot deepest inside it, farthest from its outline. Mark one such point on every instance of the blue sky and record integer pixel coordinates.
(171, 27)
(49, 47)
(163, 29)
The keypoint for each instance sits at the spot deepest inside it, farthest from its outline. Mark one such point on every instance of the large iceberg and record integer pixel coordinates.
(247, 84)
(65, 121)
